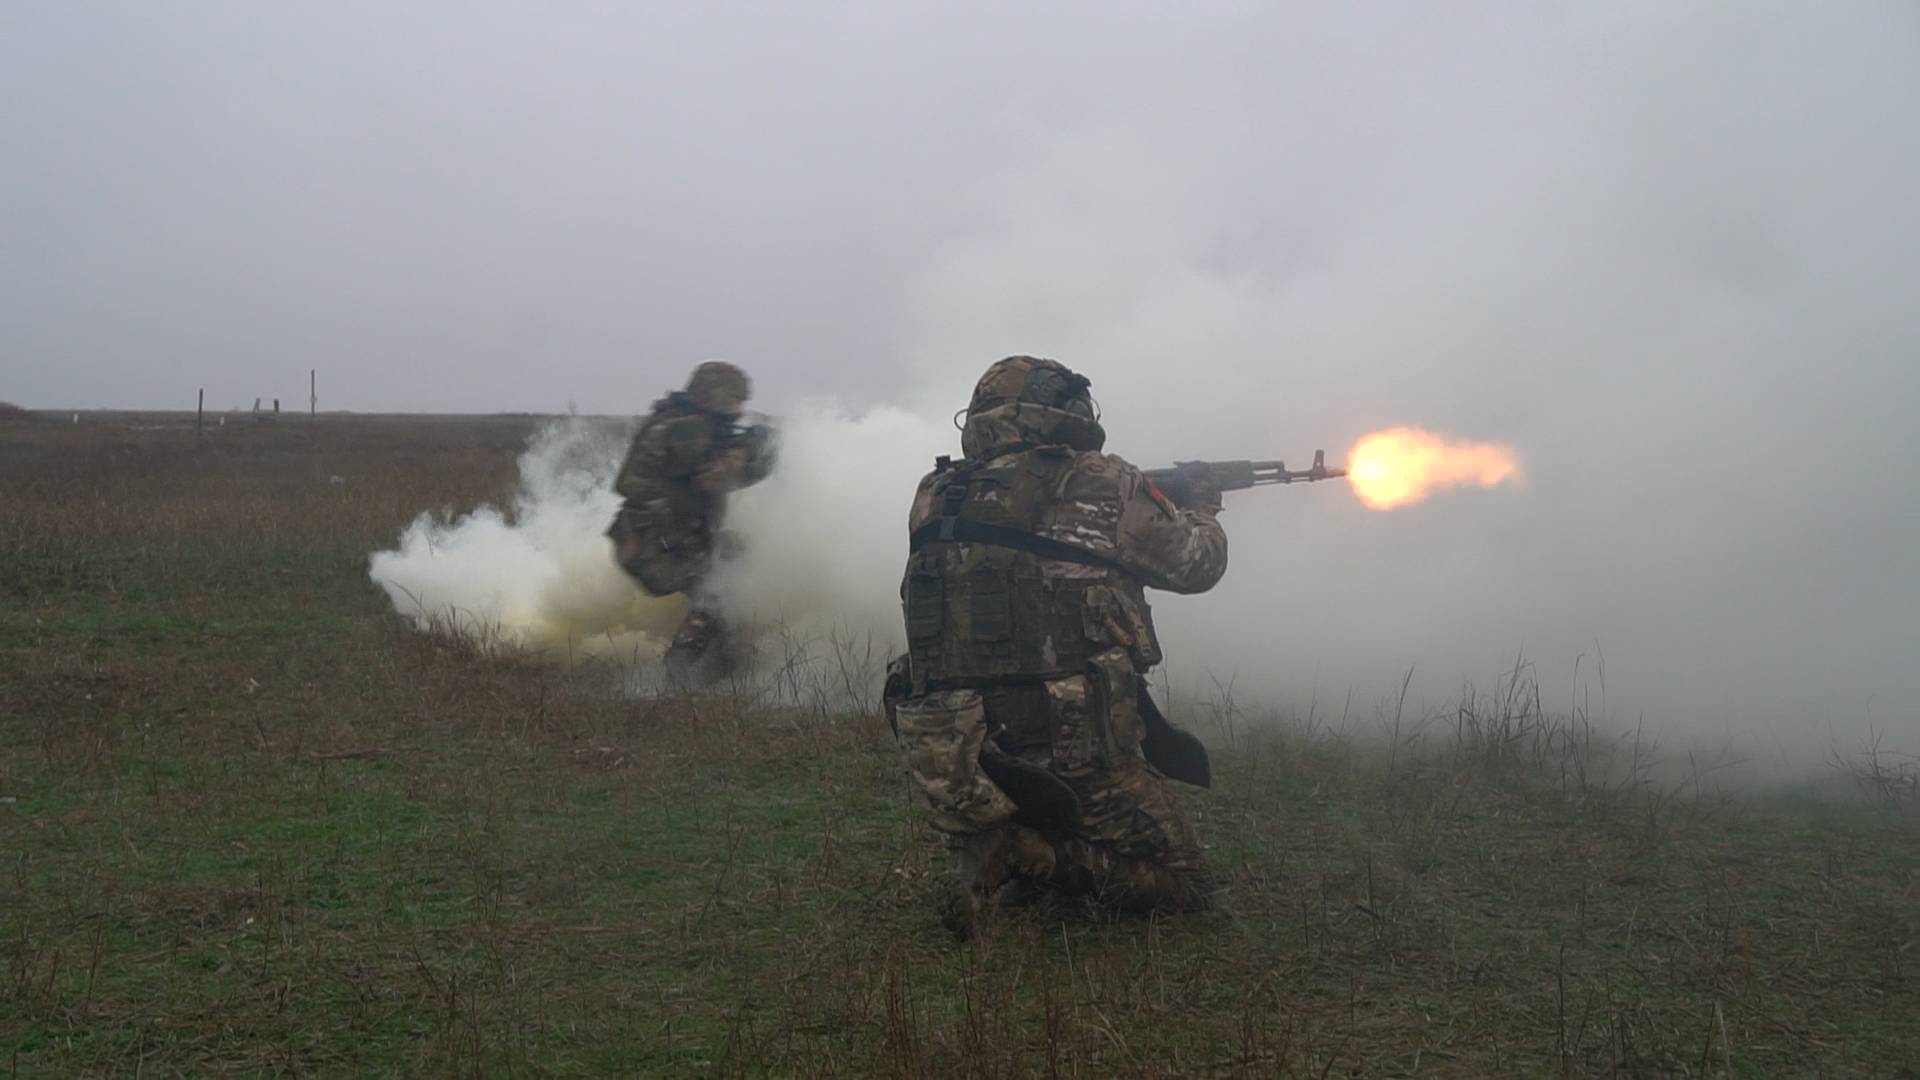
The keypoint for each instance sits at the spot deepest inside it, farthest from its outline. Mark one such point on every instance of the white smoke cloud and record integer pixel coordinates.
(1666, 252)
(825, 536)
(540, 575)
(822, 542)
(1656, 265)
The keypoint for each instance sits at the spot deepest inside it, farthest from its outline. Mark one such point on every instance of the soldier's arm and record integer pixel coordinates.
(1170, 548)
(670, 449)
(736, 458)
(729, 468)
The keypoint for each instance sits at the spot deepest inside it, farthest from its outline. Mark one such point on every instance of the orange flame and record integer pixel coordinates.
(1404, 465)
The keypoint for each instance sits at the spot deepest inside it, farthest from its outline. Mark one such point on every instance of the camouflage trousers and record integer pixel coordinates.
(705, 647)
(1152, 861)
(664, 549)
(1043, 787)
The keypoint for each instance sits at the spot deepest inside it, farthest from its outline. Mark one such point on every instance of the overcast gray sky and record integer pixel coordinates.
(473, 206)
(1669, 250)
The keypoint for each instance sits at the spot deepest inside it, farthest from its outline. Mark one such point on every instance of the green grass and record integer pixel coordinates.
(256, 825)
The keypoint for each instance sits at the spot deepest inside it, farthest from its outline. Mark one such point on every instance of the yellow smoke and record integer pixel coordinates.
(614, 623)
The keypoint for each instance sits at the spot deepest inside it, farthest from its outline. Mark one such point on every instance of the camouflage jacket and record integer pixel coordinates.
(683, 462)
(1031, 558)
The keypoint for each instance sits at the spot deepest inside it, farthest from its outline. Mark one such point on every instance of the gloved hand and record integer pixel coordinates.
(1192, 489)
(1203, 496)
(762, 440)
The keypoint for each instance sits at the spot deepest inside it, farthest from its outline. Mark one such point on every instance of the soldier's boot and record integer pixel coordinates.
(986, 865)
(1140, 886)
(1042, 869)
(977, 872)
(701, 652)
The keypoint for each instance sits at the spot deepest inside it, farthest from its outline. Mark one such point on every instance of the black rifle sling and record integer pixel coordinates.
(959, 530)
(951, 528)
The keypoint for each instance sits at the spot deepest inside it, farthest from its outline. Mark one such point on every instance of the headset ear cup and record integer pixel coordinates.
(1056, 388)
(1042, 387)
(1076, 397)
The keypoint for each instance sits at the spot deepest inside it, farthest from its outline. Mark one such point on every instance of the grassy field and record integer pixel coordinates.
(251, 822)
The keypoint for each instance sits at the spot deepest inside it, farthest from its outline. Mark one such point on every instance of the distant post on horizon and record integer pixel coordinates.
(313, 392)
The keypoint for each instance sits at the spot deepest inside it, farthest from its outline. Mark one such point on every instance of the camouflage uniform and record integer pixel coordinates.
(688, 454)
(1022, 702)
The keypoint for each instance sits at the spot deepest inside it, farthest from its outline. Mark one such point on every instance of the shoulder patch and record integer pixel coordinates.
(1159, 497)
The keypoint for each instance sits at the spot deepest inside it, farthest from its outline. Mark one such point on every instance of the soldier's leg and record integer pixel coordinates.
(1143, 873)
(977, 867)
(942, 734)
(1135, 846)
(1143, 855)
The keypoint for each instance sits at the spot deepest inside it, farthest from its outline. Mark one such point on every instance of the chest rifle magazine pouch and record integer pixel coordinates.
(926, 611)
(942, 734)
(990, 616)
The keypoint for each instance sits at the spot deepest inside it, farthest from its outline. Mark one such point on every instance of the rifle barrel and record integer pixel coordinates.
(1276, 472)
(1237, 475)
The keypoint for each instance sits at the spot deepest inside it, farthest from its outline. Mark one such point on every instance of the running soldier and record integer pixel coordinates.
(689, 453)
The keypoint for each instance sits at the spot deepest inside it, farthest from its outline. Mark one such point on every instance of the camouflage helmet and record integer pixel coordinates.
(1034, 401)
(1047, 383)
(718, 386)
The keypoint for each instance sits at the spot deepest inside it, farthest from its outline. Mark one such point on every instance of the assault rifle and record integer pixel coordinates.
(762, 439)
(1187, 478)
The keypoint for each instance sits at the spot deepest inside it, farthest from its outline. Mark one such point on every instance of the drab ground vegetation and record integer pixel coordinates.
(254, 823)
